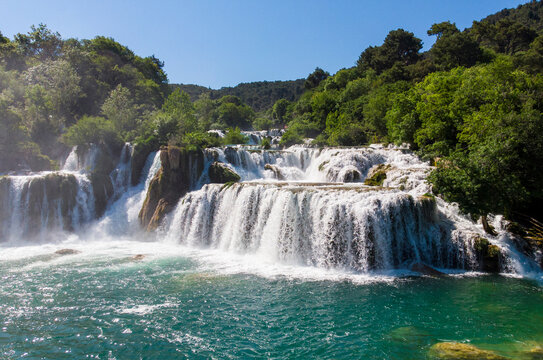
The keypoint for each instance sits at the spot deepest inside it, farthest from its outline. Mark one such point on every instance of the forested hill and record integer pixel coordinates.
(259, 95)
(529, 15)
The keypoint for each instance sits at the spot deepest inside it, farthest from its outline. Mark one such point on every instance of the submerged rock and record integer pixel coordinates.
(221, 174)
(410, 335)
(67, 252)
(425, 269)
(459, 351)
(180, 170)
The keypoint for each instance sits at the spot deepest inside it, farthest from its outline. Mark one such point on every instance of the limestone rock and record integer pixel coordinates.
(459, 351)
(180, 170)
(221, 174)
(276, 171)
(488, 255)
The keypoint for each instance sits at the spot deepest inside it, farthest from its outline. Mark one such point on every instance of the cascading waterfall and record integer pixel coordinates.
(308, 206)
(33, 207)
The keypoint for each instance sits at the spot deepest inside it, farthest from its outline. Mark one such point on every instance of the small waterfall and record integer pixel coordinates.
(121, 175)
(33, 206)
(38, 206)
(81, 159)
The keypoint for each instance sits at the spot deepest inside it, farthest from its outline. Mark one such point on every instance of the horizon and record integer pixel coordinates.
(216, 44)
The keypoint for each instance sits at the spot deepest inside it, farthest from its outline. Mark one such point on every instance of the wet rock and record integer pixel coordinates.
(429, 207)
(377, 175)
(425, 269)
(67, 252)
(410, 335)
(180, 169)
(102, 189)
(276, 171)
(137, 257)
(221, 174)
(488, 255)
(459, 351)
(139, 157)
(352, 175)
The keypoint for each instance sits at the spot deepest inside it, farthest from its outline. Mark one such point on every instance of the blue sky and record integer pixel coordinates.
(219, 43)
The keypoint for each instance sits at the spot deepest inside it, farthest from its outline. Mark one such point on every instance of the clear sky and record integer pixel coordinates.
(219, 43)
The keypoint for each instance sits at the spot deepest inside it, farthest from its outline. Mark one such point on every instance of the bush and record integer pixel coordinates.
(92, 130)
(234, 136)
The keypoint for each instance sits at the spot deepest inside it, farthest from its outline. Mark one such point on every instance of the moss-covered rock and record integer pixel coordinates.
(488, 255)
(459, 351)
(180, 169)
(221, 174)
(377, 175)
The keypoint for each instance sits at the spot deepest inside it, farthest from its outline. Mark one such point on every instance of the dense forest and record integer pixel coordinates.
(471, 104)
(259, 95)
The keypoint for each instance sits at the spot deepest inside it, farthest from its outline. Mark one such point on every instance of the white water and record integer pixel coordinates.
(309, 222)
(312, 218)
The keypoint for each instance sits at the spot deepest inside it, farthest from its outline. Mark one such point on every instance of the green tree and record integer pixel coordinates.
(453, 48)
(315, 78)
(120, 109)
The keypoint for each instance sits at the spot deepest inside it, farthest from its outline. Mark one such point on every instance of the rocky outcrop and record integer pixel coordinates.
(276, 172)
(102, 186)
(180, 170)
(219, 173)
(459, 351)
(488, 255)
(139, 157)
(352, 175)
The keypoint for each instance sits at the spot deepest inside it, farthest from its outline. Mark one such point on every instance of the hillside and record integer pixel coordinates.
(260, 95)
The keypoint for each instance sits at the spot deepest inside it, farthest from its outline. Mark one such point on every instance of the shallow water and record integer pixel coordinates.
(184, 303)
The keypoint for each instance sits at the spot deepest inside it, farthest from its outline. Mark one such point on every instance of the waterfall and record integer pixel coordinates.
(32, 206)
(321, 225)
(321, 214)
(48, 205)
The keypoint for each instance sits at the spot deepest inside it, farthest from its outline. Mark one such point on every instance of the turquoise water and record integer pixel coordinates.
(106, 305)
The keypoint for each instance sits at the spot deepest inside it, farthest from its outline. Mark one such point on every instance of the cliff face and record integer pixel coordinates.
(180, 170)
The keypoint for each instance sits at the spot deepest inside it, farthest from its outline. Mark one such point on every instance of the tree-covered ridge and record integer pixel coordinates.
(472, 103)
(48, 84)
(529, 15)
(259, 95)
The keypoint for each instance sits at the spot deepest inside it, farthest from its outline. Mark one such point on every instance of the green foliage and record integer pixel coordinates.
(199, 140)
(91, 130)
(263, 123)
(259, 95)
(234, 136)
(120, 109)
(266, 144)
(399, 46)
(315, 78)
(453, 48)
